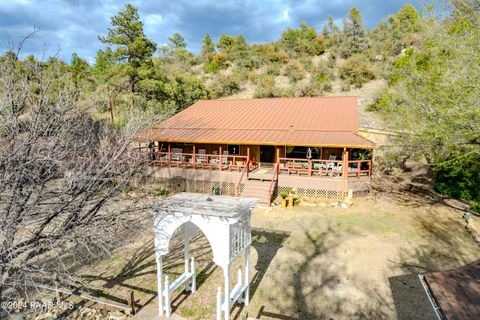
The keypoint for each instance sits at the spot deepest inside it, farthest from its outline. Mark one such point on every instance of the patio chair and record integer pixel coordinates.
(225, 157)
(213, 159)
(202, 158)
(330, 165)
(175, 157)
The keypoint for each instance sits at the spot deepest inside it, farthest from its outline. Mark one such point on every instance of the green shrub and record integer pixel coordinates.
(384, 100)
(224, 85)
(307, 64)
(160, 191)
(215, 63)
(309, 89)
(266, 88)
(476, 206)
(459, 177)
(294, 71)
(357, 70)
(273, 69)
(322, 76)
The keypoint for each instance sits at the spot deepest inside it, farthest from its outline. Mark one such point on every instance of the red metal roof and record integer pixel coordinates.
(318, 121)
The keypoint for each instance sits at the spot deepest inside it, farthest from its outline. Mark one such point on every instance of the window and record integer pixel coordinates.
(233, 149)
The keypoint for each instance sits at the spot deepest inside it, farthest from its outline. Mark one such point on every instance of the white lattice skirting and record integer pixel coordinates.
(178, 184)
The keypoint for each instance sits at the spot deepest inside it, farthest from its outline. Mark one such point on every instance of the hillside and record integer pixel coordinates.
(416, 73)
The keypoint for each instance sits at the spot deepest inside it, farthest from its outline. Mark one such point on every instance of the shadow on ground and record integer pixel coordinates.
(309, 286)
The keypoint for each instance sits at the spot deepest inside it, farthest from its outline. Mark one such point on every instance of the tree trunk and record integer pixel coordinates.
(132, 91)
(110, 107)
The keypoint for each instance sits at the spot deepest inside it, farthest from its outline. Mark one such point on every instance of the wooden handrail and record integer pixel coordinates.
(274, 179)
(237, 185)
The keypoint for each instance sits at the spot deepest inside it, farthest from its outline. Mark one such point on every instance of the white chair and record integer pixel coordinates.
(175, 154)
(225, 157)
(202, 158)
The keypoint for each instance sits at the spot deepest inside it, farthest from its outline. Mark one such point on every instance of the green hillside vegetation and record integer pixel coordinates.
(430, 67)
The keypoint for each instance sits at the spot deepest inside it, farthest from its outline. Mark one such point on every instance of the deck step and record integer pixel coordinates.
(257, 189)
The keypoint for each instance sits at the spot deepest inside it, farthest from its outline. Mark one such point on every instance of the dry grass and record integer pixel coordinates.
(313, 262)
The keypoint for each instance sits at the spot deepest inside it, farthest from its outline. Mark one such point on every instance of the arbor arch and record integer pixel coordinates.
(225, 222)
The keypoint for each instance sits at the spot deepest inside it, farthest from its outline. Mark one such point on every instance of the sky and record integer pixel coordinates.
(68, 26)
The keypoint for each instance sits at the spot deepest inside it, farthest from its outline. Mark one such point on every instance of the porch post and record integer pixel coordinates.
(220, 157)
(248, 154)
(344, 164)
(169, 154)
(194, 158)
(278, 154)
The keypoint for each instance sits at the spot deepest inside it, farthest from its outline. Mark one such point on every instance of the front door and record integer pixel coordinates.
(267, 154)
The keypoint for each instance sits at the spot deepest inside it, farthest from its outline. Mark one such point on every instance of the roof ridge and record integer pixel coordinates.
(279, 98)
(256, 129)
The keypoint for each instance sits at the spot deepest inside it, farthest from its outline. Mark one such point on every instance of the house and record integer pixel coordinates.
(263, 147)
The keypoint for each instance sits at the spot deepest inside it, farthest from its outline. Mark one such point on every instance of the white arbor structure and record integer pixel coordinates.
(225, 221)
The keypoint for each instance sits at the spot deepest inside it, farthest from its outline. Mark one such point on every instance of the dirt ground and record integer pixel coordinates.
(312, 261)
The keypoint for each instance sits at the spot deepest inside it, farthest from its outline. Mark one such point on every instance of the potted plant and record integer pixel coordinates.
(284, 195)
(291, 194)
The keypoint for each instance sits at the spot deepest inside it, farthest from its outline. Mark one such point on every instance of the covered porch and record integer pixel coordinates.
(316, 162)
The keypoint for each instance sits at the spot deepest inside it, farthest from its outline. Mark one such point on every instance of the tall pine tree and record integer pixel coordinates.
(207, 46)
(132, 47)
(355, 40)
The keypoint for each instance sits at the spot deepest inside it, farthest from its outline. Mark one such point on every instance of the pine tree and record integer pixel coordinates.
(207, 47)
(177, 41)
(78, 69)
(355, 40)
(132, 47)
(225, 43)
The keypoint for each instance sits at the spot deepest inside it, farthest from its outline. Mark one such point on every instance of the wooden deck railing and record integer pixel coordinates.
(296, 166)
(273, 183)
(237, 185)
(317, 167)
(199, 160)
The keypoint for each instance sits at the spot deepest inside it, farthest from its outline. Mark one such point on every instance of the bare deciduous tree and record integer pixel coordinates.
(60, 174)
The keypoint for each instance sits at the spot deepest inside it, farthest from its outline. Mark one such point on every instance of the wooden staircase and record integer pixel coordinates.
(261, 188)
(257, 189)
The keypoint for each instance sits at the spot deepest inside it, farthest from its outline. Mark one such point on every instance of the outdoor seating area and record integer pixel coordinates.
(324, 168)
(201, 160)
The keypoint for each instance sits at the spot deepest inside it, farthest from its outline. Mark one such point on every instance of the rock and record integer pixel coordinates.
(344, 205)
(117, 315)
(477, 238)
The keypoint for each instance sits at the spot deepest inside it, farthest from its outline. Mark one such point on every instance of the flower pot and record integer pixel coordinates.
(290, 201)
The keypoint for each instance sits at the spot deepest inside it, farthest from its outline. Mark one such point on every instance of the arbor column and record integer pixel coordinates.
(247, 276)
(226, 304)
(160, 283)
